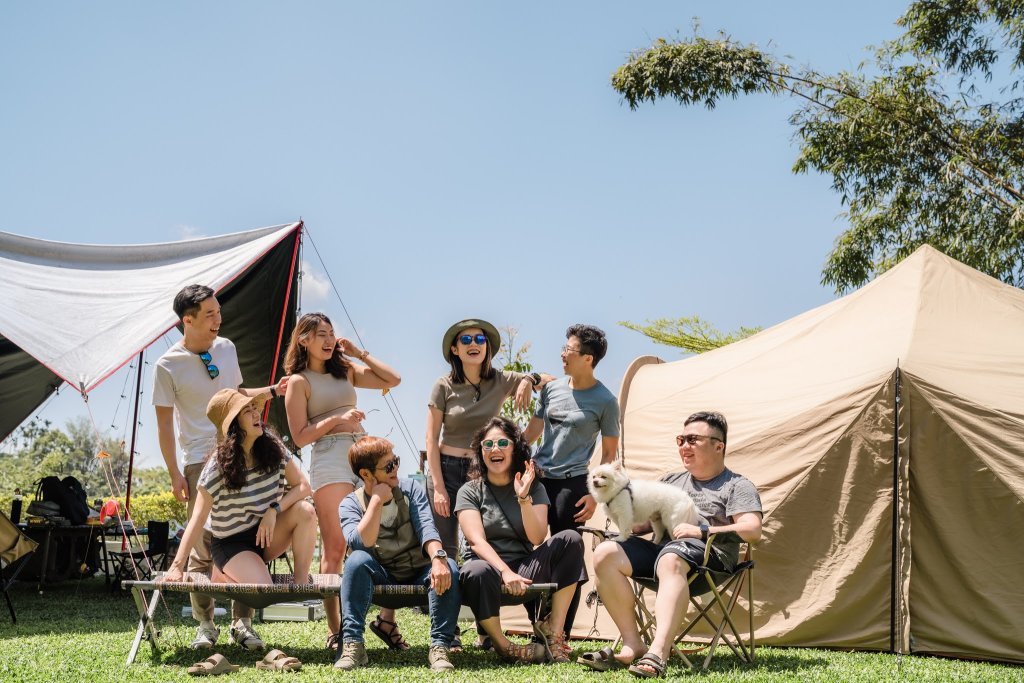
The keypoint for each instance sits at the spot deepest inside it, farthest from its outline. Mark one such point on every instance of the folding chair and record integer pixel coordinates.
(713, 607)
(140, 564)
(15, 550)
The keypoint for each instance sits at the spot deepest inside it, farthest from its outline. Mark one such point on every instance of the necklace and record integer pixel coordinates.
(476, 388)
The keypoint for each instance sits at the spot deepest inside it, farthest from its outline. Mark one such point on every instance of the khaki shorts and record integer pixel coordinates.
(329, 462)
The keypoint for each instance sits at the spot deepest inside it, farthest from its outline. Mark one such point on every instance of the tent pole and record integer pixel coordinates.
(894, 567)
(284, 312)
(135, 432)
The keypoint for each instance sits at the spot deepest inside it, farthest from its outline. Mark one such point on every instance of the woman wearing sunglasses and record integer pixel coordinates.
(321, 407)
(503, 512)
(460, 403)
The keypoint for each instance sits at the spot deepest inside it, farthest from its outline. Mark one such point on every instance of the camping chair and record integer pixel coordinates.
(15, 550)
(140, 564)
(714, 607)
(281, 589)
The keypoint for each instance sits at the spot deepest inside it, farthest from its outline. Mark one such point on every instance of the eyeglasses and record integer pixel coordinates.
(491, 444)
(212, 369)
(571, 349)
(391, 466)
(468, 339)
(693, 439)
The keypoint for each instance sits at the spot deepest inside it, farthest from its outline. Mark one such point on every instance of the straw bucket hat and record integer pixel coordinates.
(225, 406)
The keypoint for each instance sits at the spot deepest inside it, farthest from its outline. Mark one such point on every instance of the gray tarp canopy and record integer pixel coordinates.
(77, 313)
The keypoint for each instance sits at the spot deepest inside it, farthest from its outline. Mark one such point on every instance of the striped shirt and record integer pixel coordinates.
(235, 511)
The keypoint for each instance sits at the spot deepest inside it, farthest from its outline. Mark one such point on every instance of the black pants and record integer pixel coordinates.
(559, 560)
(564, 494)
(453, 472)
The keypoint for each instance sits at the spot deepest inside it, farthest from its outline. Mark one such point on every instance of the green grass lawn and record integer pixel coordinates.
(81, 632)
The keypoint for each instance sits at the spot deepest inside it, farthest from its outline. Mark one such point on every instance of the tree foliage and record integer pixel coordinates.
(37, 449)
(918, 144)
(692, 335)
(513, 356)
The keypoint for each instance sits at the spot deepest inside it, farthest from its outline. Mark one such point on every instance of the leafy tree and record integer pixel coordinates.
(513, 357)
(692, 335)
(919, 144)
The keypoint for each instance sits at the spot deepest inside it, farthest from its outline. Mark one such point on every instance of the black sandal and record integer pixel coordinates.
(333, 641)
(655, 663)
(392, 638)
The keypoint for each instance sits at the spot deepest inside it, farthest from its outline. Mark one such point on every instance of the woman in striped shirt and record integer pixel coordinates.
(254, 495)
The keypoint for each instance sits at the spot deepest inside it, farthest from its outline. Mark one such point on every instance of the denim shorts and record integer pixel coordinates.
(329, 462)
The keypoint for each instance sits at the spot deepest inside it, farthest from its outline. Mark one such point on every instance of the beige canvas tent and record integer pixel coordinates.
(885, 432)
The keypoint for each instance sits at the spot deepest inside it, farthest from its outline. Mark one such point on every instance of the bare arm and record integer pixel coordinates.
(193, 531)
(609, 449)
(376, 374)
(300, 489)
(165, 434)
(441, 502)
(533, 430)
(746, 525)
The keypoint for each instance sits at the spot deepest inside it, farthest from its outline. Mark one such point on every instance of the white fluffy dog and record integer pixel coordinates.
(628, 503)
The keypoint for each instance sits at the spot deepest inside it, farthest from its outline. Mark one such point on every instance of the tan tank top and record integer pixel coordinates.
(328, 395)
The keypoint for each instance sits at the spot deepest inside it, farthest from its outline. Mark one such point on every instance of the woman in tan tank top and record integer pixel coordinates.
(321, 406)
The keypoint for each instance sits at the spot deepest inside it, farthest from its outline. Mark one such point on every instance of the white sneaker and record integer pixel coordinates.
(244, 635)
(206, 637)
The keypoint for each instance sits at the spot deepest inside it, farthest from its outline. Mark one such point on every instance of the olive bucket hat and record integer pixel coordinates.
(490, 331)
(225, 406)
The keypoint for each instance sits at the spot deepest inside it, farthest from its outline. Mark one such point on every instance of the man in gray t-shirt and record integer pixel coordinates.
(731, 511)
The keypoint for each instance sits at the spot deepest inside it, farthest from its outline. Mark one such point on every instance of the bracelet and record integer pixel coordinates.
(525, 499)
(364, 354)
(273, 391)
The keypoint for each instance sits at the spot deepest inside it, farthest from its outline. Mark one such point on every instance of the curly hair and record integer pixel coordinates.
(296, 359)
(267, 453)
(520, 449)
(592, 340)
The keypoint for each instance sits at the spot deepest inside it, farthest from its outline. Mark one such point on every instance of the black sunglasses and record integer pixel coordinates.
(693, 439)
(468, 339)
(391, 465)
(212, 369)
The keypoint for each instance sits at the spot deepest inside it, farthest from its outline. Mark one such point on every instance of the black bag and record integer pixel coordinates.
(68, 494)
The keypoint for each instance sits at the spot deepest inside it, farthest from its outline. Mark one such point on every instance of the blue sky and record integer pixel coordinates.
(450, 160)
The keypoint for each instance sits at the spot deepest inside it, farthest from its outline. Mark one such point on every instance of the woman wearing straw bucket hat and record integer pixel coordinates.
(460, 403)
(242, 491)
(321, 407)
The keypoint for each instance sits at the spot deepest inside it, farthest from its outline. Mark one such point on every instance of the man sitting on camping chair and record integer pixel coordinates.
(390, 532)
(732, 507)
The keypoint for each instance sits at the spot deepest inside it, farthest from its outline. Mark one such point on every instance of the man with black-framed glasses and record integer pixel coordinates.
(572, 412)
(185, 378)
(731, 510)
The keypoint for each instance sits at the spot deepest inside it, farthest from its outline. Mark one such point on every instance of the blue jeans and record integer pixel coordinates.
(363, 572)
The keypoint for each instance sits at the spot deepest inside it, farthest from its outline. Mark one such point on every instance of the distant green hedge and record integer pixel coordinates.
(155, 506)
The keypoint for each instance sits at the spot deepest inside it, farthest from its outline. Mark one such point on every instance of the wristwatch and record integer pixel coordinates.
(276, 507)
(535, 378)
(439, 554)
(273, 391)
(704, 528)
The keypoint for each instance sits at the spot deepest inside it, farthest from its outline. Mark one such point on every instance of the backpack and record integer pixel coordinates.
(68, 494)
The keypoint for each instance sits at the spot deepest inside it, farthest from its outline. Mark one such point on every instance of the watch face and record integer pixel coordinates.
(441, 553)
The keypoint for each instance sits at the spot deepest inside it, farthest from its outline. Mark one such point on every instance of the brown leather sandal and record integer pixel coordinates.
(527, 653)
(391, 637)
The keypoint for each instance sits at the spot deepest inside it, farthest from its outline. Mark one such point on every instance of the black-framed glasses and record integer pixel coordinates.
(491, 444)
(693, 439)
(391, 465)
(211, 369)
(468, 339)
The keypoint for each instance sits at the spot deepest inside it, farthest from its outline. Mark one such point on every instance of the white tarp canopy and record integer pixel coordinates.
(77, 312)
(84, 310)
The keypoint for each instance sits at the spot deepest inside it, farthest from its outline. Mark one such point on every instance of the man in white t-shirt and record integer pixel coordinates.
(185, 379)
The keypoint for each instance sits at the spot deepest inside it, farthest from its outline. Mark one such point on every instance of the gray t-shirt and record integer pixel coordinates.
(502, 518)
(718, 500)
(181, 381)
(573, 419)
(463, 411)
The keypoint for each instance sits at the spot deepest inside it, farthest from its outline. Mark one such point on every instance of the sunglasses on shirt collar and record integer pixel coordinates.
(211, 369)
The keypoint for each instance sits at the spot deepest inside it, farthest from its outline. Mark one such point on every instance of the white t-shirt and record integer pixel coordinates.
(182, 381)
